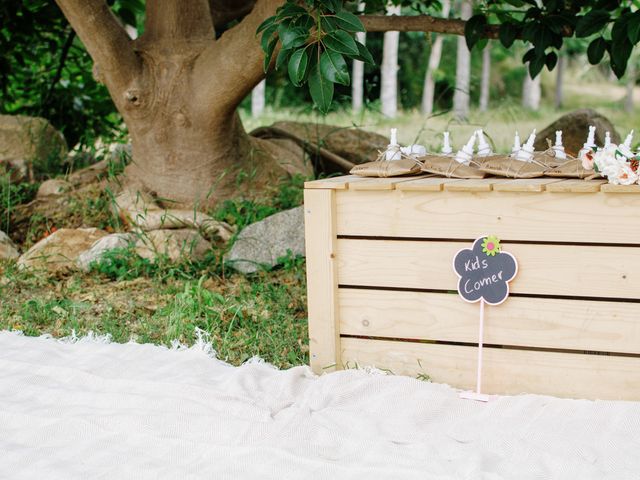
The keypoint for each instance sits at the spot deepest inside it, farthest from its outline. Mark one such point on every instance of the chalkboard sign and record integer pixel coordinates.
(484, 271)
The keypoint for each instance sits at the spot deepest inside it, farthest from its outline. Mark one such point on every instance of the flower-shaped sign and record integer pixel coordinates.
(485, 271)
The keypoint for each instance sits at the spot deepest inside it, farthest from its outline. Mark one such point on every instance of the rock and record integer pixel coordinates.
(263, 242)
(7, 248)
(103, 245)
(90, 173)
(28, 140)
(175, 244)
(60, 250)
(575, 127)
(53, 188)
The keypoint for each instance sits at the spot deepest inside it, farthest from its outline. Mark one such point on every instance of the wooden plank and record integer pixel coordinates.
(590, 271)
(525, 185)
(373, 183)
(474, 185)
(532, 322)
(505, 371)
(576, 186)
(320, 244)
(429, 184)
(611, 188)
(334, 183)
(557, 217)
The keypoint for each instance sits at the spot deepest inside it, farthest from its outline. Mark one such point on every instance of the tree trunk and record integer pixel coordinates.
(560, 81)
(531, 92)
(428, 90)
(357, 78)
(463, 69)
(177, 87)
(389, 70)
(631, 84)
(257, 99)
(486, 77)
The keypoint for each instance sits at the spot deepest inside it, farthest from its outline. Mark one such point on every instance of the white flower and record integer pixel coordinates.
(621, 174)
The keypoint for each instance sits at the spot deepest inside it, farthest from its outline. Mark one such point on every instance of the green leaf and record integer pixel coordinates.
(282, 57)
(621, 47)
(321, 89)
(592, 22)
(333, 5)
(349, 22)
(341, 42)
(289, 10)
(265, 41)
(298, 64)
(292, 37)
(508, 33)
(551, 60)
(542, 39)
(596, 50)
(267, 23)
(363, 54)
(530, 55)
(535, 66)
(328, 24)
(474, 29)
(334, 68)
(269, 53)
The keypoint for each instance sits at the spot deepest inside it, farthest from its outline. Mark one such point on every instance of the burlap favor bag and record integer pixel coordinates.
(571, 168)
(506, 166)
(450, 167)
(384, 168)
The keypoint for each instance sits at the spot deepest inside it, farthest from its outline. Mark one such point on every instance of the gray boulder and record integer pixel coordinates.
(7, 248)
(575, 127)
(263, 242)
(102, 246)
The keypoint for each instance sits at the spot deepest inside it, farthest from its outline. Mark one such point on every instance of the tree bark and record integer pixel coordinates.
(463, 69)
(486, 78)
(531, 92)
(357, 78)
(257, 99)
(435, 54)
(559, 97)
(389, 70)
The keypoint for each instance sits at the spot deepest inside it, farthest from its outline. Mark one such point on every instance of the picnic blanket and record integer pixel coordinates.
(89, 408)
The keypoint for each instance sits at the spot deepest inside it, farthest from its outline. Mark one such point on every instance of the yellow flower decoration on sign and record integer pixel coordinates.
(491, 245)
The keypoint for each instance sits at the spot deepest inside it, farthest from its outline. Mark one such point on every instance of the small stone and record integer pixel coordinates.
(60, 250)
(175, 244)
(264, 242)
(7, 248)
(101, 246)
(53, 188)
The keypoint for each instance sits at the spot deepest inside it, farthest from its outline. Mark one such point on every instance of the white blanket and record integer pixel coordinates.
(89, 409)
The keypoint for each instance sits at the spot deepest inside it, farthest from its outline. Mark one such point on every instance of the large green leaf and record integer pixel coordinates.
(298, 64)
(341, 42)
(474, 29)
(596, 50)
(321, 89)
(349, 22)
(508, 33)
(363, 54)
(292, 37)
(334, 68)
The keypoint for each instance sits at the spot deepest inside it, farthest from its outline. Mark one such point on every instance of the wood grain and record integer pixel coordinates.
(380, 183)
(430, 184)
(576, 186)
(543, 269)
(320, 244)
(525, 185)
(556, 217)
(506, 372)
(532, 322)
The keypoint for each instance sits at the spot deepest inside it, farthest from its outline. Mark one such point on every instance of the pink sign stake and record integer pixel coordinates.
(484, 272)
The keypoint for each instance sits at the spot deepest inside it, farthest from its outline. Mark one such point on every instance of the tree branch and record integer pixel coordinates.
(170, 20)
(236, 58)
(105, 39)
(420, 23)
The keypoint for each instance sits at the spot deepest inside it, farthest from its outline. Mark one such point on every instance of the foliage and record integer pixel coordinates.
(45, 71)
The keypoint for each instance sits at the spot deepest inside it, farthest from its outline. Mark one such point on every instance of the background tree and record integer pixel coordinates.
(389, 69)
(435, 54)
(463, 69)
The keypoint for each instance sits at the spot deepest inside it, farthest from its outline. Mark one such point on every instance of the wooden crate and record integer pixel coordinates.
(382, 288)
